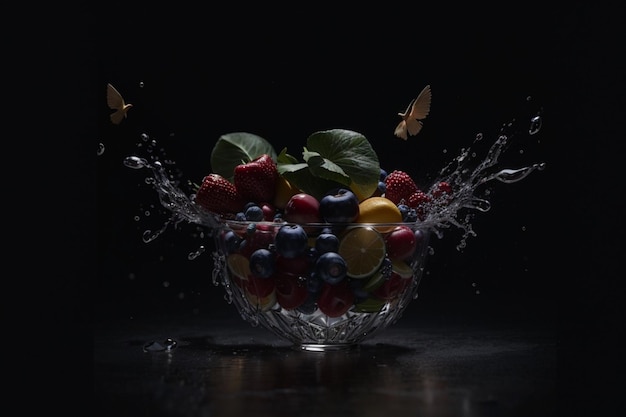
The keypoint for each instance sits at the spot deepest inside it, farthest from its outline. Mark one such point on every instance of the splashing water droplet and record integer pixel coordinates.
(535, 125)
(194, 255)
(513, 175)
(100, 149)
(135, 162)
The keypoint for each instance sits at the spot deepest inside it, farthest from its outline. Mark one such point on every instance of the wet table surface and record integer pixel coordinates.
(222, 366)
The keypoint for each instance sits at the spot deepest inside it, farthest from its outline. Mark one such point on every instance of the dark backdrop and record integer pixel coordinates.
(193, 76)
(549, 251)
(546, 252)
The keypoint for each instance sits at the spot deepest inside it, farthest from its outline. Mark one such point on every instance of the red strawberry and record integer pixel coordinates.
(399, 186)
(219, 195)
(442, 192)
(256, 180)
(420, 201)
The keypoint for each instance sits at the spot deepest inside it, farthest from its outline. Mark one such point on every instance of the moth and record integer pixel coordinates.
(417, 111)
(116, 102)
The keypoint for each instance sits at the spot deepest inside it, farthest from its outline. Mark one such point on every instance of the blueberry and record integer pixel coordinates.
(411, 216)
(310, 304)
(356, 285)
(331, 267)
(240, 216)
(314, 283)
(231, 241)
(291, 240)
(383, 175)
(326, 242)
(262, 263)
(404, 210)
(254, 214)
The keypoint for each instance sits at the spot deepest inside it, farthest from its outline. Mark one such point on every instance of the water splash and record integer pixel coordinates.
(467, 173)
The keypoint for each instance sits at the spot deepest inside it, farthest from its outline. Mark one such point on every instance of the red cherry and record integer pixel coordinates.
(261, 287)
(392, 287)
(401, 243)
(302, 208)
(337, 299)
(291, 291)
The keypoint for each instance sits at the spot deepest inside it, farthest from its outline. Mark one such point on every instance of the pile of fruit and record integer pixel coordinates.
(335, 232)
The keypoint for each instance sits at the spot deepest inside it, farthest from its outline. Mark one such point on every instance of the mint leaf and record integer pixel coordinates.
(236, 148)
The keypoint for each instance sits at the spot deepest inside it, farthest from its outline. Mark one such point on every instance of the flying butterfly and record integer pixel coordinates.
(116, 102)
(417, 111)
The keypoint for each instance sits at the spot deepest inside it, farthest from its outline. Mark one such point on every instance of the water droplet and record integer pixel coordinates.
(135, 162)
(141, 84)
(513, 175)
(535, 125)
(100, 149)
(194, 255)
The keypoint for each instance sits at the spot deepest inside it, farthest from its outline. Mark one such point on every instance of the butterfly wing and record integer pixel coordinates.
(421, 105)
(401, 130)
(114, 98)
(413, 126)
(117, 116)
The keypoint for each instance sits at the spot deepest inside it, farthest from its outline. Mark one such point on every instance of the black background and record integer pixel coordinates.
(546, 252)
(193, 77)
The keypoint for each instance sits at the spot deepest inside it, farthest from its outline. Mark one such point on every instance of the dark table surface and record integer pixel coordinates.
(427, 364)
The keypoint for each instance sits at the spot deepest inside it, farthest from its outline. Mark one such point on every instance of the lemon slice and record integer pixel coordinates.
(239, 266)
(401, 268)
(363, 249)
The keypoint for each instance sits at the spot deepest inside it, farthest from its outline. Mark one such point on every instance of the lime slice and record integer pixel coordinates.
(370, 305)
(239, 266)
(374, 282)
(363, 249)
(401, 268)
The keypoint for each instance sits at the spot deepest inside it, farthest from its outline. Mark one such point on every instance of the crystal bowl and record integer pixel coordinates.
(339, 286)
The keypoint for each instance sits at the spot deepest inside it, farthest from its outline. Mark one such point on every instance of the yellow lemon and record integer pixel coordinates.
(379, 210)
(363, 249)
(239, 266)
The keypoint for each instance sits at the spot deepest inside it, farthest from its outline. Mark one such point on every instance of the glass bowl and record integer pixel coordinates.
(320, 286)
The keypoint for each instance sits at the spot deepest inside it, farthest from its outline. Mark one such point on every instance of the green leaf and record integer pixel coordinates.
(236, 148)
(304, 179)
(344, 154)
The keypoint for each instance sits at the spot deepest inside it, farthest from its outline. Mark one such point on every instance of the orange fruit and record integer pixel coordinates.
(379, 210)
(363, 249)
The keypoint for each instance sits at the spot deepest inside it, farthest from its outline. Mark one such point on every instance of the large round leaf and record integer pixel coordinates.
(238, 148)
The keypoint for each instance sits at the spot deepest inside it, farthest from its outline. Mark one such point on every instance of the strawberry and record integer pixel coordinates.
(399, 186)
(442, 192)
(219, 195)
(420, 201)
(256, 180)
